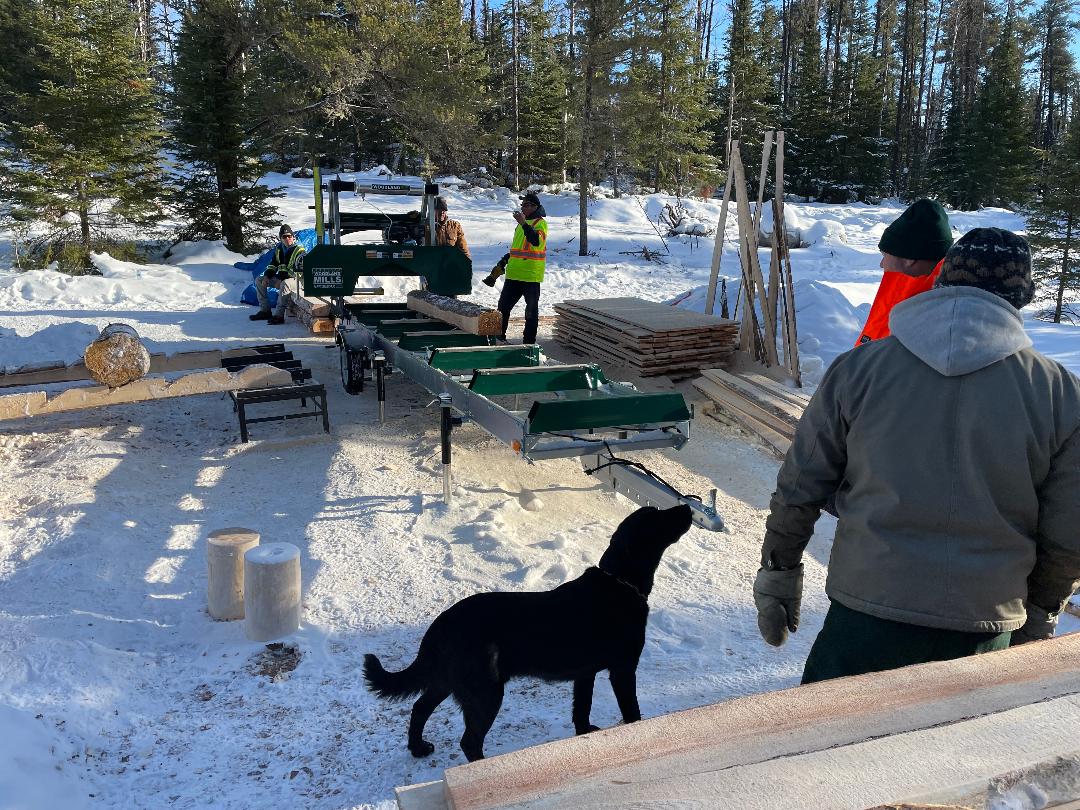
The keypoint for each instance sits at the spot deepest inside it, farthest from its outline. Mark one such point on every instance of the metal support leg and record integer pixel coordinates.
(242, 414)
(446, 425)
(380, 383)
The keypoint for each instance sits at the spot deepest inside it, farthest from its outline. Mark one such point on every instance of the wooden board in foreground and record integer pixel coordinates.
(38, 403)
(851, 742)
(465, 315)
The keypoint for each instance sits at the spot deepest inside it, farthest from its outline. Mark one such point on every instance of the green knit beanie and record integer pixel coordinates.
(921, 232)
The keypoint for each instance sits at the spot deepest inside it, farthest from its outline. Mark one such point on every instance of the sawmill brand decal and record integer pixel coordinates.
(326, 276)
(390, 187)
(405, 254)
(374, 254)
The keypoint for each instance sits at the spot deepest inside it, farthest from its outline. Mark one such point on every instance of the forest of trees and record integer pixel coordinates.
(117, 114)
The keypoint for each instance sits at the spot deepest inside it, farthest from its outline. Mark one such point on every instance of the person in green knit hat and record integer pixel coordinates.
(912, 248)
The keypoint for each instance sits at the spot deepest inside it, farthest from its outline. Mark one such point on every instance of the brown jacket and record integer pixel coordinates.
(451, 233)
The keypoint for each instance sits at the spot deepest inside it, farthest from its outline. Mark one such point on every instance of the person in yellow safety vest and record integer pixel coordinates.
(524, 267)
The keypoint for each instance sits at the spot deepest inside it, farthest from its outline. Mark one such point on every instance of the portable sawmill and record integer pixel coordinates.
(541, 409)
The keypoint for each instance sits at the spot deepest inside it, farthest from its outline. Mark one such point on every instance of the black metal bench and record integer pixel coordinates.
(302, 388)
(316, 392)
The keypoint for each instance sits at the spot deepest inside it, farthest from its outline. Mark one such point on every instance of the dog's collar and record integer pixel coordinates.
(629, 585)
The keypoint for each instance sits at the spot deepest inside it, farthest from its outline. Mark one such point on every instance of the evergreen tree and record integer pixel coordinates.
(19, 67)
(1054, 228)
(809, 126)
(214, 102)
(747, 104)
(84, 142)
(1001, 160)
(542, 96)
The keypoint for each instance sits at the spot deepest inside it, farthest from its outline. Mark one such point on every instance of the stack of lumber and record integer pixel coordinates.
(650, 338)
(465, 315)
(314, 313)
(763, 407)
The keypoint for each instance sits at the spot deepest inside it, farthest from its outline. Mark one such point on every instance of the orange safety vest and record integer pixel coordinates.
(527, 261)
(894, 288)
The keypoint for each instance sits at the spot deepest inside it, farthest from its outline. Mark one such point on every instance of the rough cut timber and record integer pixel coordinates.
(855, 743)
(117, 356)
(763, 407)
(465, 315)
(17, 406)
(57, 372)
(305, 310)
(650, 338)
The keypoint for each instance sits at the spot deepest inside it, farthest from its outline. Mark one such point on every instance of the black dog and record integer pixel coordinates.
(584, 626)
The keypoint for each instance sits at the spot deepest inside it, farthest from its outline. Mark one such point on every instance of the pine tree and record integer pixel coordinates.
(808, 126)
(543, 94)
(1054, 228)
(85, 141)
(215, 87)
(19, 67)
(1002, 158)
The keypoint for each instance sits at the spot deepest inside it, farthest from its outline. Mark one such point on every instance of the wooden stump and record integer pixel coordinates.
(271, 591)
(117, 357)
(225, 549)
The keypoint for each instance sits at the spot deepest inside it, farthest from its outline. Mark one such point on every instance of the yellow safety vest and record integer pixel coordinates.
(527, 261)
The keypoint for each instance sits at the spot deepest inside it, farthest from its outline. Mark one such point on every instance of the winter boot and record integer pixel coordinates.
(261, 315)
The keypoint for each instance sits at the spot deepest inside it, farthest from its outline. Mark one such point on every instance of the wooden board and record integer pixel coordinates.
(770, 749)
(761, 397)
(17, 406)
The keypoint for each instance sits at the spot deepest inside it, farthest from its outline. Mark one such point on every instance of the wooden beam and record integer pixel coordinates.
(718, 247)
(749, 239)
(36, 403)
(465, 315)
(702, 757)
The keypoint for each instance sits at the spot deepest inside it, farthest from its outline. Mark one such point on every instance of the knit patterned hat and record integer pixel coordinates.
(921, 232)
(991, 259)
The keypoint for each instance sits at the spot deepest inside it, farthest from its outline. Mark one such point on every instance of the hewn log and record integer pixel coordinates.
(117, 357)
(465, 315)
(15, 406)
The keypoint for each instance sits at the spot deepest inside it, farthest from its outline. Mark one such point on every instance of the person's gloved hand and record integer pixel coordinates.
(491, 277)
(1040, 624)
(778, 597)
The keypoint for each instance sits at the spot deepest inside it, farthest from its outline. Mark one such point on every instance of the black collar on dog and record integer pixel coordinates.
(632, 587)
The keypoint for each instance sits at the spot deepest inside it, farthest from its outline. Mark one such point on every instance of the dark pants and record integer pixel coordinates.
(512, 292)
(853, 643)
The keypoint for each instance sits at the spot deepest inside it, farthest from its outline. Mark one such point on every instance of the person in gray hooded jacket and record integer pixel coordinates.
(954, 450)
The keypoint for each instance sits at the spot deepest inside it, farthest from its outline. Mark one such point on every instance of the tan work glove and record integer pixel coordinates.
(491, 277)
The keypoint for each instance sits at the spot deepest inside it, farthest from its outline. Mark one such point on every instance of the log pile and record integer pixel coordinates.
(650, 338)
(766, 409)
(117, 356)
(465, 315)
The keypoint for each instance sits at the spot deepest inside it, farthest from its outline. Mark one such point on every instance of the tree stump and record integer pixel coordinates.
(225, 549)
(271, 591)
(117, 357)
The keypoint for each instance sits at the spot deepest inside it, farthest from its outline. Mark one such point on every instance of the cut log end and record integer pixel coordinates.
(117, 357)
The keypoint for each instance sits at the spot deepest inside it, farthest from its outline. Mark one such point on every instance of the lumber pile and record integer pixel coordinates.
(465, 315)
(650, 338)
(766, 409)
(314, 313)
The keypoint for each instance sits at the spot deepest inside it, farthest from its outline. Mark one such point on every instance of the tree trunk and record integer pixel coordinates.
(584, 170)
(84, 215)
(515, 168)
(228, 190)
(1064, 270)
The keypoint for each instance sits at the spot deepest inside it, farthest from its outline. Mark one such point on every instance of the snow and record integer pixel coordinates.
(116, 689)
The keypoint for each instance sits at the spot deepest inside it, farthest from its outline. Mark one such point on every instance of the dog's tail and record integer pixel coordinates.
(394, 685)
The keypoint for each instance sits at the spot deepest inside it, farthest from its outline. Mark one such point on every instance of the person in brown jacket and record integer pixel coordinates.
(954, 450)
(449, 231)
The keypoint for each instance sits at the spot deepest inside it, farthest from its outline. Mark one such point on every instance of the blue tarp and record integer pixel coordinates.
(305, 237)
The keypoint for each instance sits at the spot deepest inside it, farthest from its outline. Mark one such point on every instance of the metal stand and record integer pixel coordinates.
(446, 424)
(380, 383)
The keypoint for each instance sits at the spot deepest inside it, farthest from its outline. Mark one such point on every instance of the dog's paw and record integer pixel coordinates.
(422, 749)
(586, 729)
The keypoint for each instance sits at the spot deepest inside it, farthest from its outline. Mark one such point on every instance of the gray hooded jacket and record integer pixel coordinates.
(953, 448)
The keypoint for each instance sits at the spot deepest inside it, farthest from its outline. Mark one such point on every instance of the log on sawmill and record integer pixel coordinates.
(117, 357)
(465, 315)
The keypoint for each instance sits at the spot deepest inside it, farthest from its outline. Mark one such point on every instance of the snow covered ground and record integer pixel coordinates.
(117, 690)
